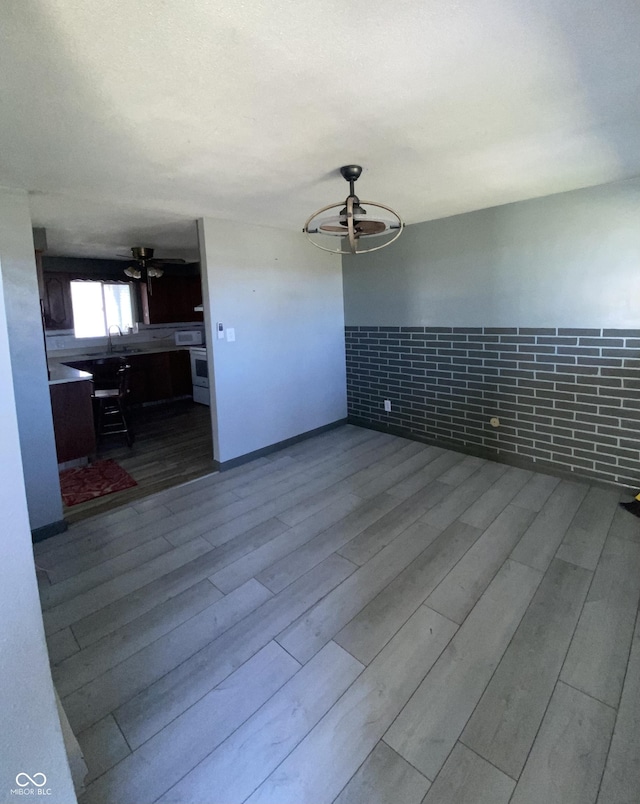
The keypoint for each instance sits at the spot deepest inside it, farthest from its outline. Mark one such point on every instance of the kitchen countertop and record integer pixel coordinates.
(57, 358)
(59, 374)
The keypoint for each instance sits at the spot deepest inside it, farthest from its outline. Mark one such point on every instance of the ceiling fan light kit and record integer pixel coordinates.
(351, 220)
(133, 272)
(146, 267)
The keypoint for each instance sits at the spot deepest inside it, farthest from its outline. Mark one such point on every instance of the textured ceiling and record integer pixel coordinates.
(130, 118)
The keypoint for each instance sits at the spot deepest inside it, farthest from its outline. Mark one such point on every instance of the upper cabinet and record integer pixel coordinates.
(56, 298)
(171, 300)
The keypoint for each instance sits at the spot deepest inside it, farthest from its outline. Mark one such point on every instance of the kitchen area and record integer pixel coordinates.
(128, 374)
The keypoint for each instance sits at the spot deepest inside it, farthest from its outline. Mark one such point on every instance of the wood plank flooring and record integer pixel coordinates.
(172, 446)
(356, 618)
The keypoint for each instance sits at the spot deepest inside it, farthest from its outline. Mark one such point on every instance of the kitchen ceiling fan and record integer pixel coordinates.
(146, 266)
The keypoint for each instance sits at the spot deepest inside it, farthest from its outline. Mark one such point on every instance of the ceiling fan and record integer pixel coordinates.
(146, 266)
(356, 223)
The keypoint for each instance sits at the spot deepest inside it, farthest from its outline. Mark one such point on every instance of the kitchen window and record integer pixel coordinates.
(97, 306)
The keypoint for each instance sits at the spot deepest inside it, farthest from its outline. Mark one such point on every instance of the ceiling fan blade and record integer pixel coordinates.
(167, 261)
(328, 228)
(370, 227)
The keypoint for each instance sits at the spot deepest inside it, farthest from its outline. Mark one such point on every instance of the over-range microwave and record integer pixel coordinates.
(188, 337)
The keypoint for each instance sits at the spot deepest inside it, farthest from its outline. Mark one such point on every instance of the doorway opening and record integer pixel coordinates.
(131, 393)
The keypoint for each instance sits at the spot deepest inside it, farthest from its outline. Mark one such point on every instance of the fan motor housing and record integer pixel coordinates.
(351, 172)
(142, 253)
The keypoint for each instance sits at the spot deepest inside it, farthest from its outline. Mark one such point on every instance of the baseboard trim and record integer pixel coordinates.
(47, 531)
(260, 453)
(519, 461)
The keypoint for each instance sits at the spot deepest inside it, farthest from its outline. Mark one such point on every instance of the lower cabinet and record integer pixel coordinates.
(73, 420)
(163, 375)
(180, 363)
(153, 377)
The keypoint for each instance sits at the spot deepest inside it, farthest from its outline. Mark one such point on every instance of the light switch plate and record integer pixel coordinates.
(231, 334)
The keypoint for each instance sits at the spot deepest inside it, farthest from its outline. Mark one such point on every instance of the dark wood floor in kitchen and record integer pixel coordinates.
(356, 619)
(172, 445)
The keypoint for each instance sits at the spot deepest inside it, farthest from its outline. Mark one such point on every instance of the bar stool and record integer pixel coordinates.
(111, 416)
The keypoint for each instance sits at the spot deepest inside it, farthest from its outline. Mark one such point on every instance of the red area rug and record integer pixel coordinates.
(88, 482)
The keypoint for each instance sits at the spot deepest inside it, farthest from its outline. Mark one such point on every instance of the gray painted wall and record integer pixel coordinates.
(285, 373)
(528, 312)
(562, 261)
(28, 363)
(30, 737)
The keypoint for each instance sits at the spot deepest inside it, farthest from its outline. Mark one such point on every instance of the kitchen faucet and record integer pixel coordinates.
(110, 342)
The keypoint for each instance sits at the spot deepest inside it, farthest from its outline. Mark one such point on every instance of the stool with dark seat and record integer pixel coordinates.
(110, 413)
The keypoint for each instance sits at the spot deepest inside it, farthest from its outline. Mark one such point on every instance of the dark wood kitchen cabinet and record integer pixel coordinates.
(158, 376)
(171, 300)
(150, 377)
(56, 290)
(180, 370)
(153, 377)
(73, 420)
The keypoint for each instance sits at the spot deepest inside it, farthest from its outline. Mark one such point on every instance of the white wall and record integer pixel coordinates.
(30, 734)
(28, 363)
(285, 373)
(567, 260)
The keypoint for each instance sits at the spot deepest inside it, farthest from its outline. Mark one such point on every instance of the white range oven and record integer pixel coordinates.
(199, 374)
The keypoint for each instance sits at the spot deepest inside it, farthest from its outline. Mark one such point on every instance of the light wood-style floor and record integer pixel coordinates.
(356, 619)
(172, 445)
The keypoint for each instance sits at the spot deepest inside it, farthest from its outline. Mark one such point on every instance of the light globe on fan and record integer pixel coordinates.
(147, 267)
